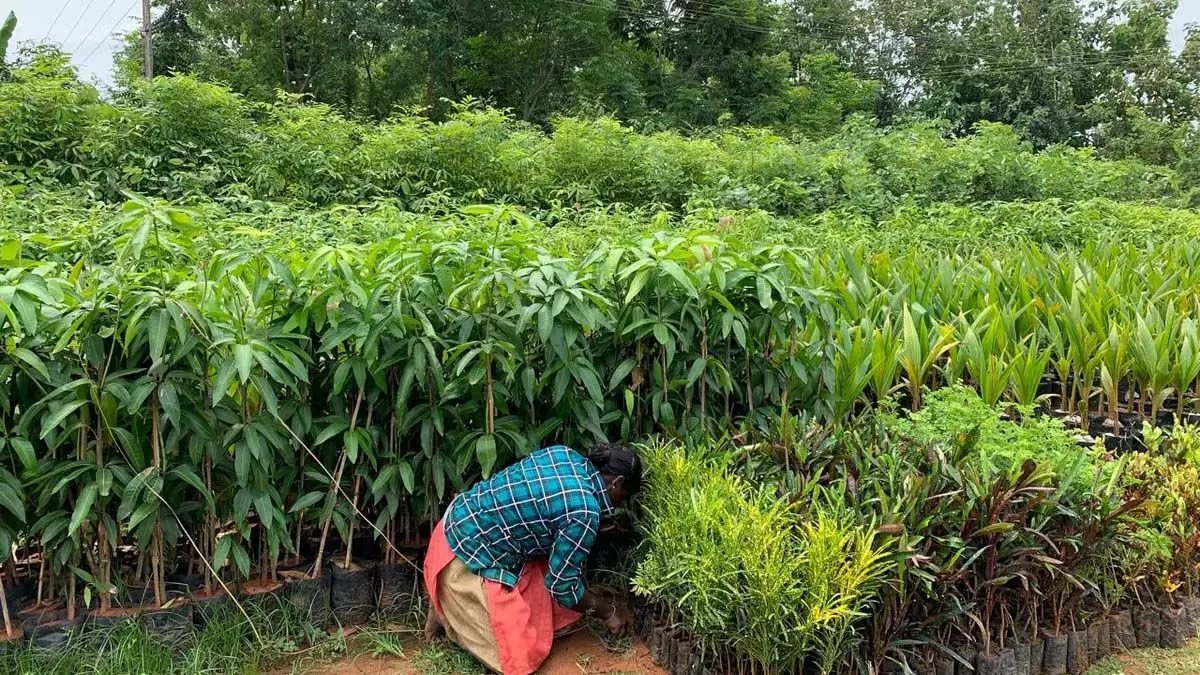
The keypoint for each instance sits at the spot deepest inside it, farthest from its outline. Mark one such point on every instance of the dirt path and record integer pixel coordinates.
(578, 654)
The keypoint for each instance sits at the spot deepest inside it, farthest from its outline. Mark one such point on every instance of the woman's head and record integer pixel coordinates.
(620, 467)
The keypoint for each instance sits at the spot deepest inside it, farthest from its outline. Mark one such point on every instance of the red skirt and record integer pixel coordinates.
(523, 619)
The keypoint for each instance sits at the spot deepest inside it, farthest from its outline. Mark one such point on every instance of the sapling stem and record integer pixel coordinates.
(333, 488)
(156, 544)
(8, 629)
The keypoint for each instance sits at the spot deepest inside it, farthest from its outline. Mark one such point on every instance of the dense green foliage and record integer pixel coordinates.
(155, 355)
(957, 528)
(232, 327)
(1061, 71)
(745, 571)
(179, 136)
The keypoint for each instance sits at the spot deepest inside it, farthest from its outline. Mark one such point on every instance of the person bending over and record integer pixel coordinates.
(504, 569)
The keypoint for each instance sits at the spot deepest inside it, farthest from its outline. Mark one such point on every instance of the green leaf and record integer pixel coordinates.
(242, 559)
(485, 452)
(333, 429)
(52, 421)
(591, 383)
(661, 333)
(222, 553)
(764, 292)
(306, 501)
(696, 370)
(11, 249)
(639, 282)
(12, 502)
(104, 480)
(82, 506)
(141, 513)
(33, 361)
(243, 357)
(25, 452)
(406, 475)
(188, 475)
(158, 334)
(621, 372)
(222, 380)
(545, 324)
(168, 397)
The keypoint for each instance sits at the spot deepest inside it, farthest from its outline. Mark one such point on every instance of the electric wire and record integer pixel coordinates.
(78, 20)
(103, 15)
(124, 16)
(57, 16)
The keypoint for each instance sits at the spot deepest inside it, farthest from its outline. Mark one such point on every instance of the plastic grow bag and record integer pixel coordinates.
(1054, 659)
(1175, 630)
(1121, 629)
(309, 596)
(173, 625)
(398, 584)
(1147, 626)
(352, 593)
(1037, 654)
(1077, 652)
(1021, 655)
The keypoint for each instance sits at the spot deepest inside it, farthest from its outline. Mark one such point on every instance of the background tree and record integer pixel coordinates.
(6, 32)
(1078, 72)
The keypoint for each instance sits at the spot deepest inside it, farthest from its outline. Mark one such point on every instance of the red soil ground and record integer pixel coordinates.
(578, 654)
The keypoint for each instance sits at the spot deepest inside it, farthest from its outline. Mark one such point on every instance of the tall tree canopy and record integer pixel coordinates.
(1061, 71)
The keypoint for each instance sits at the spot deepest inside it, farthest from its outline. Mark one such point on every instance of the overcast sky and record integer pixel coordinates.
(91, 29)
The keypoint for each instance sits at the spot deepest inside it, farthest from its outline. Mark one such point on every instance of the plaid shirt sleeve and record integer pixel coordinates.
(568, 557)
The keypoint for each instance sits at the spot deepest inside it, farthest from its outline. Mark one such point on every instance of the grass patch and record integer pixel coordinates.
(446, 659)
(231, 643)
(1184, 661)
(383, 643)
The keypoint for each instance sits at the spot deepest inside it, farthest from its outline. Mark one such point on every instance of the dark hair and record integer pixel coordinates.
(618, 459)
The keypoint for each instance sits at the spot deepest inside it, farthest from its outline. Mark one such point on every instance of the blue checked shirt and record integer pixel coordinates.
(546, 505)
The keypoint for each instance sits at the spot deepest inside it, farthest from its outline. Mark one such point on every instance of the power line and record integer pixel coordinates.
(83, 42)
(78, 19)
(123, 17)
(56, 18)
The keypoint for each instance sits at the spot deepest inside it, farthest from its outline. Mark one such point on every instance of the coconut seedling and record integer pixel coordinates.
(1187, 364)
(1152, 347)
(985, 349)
(921, 346)
(847, 369)
(1081, 318)
(1115, 365)
(885, 358)
(1028, 366)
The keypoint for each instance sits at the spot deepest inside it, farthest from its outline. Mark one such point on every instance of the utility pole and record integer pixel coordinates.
(147, 51)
